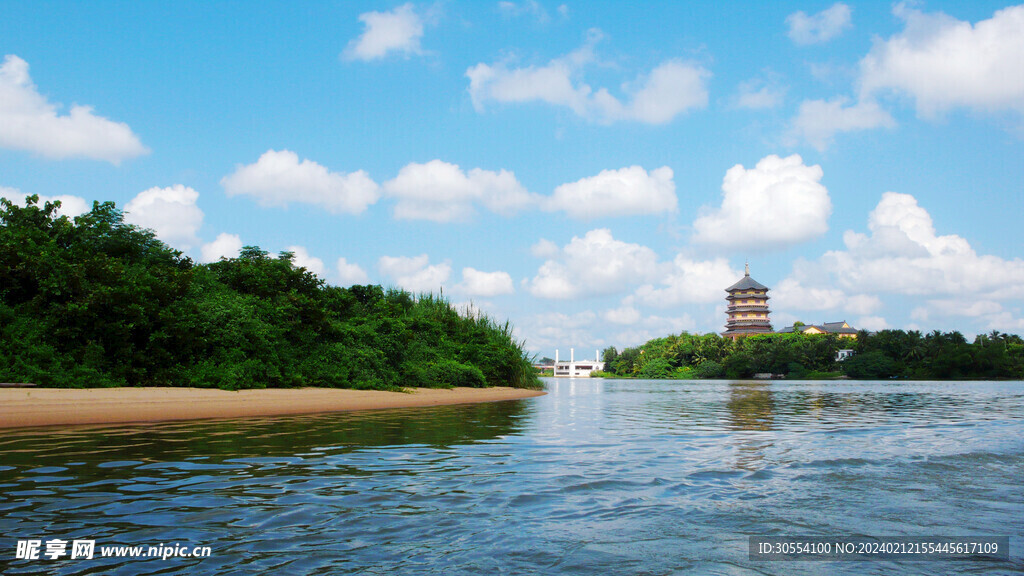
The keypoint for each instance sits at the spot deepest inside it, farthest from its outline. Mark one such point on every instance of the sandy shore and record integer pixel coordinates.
(52, 406)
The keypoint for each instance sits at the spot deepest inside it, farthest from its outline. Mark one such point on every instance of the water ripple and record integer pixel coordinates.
(618, 477)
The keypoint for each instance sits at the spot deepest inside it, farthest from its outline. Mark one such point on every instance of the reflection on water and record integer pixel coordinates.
(614, 476)
(751, 406)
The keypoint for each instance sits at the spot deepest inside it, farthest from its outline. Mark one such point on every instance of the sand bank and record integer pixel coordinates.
(52, 406)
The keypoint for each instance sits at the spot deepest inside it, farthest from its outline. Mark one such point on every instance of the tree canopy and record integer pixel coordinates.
(881, 355)
(93, 301)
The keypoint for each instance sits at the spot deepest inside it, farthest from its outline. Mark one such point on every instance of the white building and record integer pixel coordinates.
(574, 369)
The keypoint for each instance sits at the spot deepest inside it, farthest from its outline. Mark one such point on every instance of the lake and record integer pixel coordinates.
(597, 477)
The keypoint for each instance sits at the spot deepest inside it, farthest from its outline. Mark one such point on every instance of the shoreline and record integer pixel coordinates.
(37, 407)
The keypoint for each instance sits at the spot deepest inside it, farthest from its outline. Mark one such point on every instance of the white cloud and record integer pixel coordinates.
(560, 331)
(596, 264)
(224, 246)
(626, 314)
(350, 274)
(792, 294)
(821, 27)
(988, 313)
(525, 8)
(758, 94)
(776, 204)
(903, 256)
(278, 179)
(70, 206)
(871, 323)
(650, 327)
(968, 307)
(485, 284)
(397, 31)
(1006, 322)
(671, 88)
(442, 192)
(12, 194)
(945, 63)
(545, 249)
(689, 281)
(170, 212)
(623, 192)
(303, 259)
(818, 121)
(29, 122)
(415, 274)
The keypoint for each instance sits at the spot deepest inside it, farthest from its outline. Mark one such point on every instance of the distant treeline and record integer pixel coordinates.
(880, 355)
(96, 302)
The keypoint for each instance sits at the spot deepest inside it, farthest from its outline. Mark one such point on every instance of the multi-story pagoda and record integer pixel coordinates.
(748, 308)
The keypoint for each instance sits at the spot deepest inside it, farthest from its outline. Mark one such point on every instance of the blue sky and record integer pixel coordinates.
(596, 173)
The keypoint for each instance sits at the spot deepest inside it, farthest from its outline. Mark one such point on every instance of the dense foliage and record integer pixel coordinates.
(97, 302)
(881, 355)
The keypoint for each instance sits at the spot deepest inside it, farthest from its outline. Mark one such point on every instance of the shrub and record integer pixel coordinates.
(449, 373)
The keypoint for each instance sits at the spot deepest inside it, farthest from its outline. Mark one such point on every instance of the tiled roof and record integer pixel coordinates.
(747, 283)
(828, 327)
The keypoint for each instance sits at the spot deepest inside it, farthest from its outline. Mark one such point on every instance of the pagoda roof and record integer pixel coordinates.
(747, 283)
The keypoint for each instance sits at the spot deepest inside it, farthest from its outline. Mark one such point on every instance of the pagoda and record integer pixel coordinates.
(748, 308)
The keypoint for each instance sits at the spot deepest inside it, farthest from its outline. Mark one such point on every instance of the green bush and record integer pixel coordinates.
(709, 370)
(449, 373)
(97, 302)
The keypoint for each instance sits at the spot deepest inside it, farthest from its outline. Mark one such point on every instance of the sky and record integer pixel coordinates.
(596, 173)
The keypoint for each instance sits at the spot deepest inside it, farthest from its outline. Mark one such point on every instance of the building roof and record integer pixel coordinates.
(747, 283)
(827, 327)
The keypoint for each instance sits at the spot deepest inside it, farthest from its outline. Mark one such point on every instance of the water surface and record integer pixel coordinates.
(599, 476)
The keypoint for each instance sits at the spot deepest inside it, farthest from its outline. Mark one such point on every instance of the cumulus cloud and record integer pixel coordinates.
(670, 89)
(70, 206)
(278, 179)
(596, 264)
(871, 323)
(398, 31)
(443, 192)
(485, 284)
(29, 122)
(350, 274)
(561, 331)
(170, 212)
(760, 94)
(820, 27)
(689, 281)
(653, 326)
(903, 254)
(990, 314)
(415, 274)
(944, 63)
(303, 259)
(623, 192)
(224, 246)
(818, 121)
(626, 314)
(545, 248)
(778, 203)
(792, 294)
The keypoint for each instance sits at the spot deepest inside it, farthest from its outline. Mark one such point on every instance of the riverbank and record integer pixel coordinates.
(24, 407)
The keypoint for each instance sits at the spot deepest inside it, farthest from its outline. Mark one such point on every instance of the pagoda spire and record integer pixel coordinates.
(746, 269)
